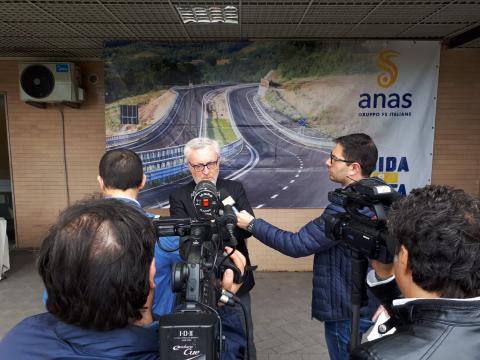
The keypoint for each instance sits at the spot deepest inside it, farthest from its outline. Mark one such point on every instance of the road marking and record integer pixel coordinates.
(297, 175)
(274, 196)
(259, 206)
(292, 181)
(285, 188)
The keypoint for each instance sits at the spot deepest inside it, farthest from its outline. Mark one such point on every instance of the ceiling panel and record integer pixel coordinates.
(263, 14)
(372, 30)
(143, 13)
(213, 31)
(80, 11)
(81, 43)
(33, 52)
(159, 30)
(334, 14)
(431, 30)
(7, 30)
(21, 11)
(47, 29)
(268, 31)
(24, 42)
(319, 31)
(401, 14)
(79, 28)
(114, 31)
(466, 12)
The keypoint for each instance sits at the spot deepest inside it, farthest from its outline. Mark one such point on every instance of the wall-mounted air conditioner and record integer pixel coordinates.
(50, 82)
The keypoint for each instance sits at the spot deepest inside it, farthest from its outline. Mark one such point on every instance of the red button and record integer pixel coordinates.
(205, 202)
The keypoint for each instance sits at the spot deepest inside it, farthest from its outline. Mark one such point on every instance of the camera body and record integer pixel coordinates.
(363, 225)
(194, 329)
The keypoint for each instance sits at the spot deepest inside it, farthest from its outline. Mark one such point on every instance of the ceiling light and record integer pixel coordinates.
(213, 14)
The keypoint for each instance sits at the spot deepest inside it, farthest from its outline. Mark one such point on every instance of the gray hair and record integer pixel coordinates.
(201, 143)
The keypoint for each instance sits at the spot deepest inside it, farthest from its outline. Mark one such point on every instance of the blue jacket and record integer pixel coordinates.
(331, 294)
(44, 337)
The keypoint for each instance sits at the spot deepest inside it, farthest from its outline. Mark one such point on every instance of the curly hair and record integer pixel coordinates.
(95, 264)
(440, 228)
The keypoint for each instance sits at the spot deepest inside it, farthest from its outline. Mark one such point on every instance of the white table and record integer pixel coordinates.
(4, 251)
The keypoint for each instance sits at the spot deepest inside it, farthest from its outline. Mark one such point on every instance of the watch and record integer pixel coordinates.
(250, 225)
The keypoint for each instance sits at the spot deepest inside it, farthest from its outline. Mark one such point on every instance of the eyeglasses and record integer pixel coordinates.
(334, 158)
(200, 167)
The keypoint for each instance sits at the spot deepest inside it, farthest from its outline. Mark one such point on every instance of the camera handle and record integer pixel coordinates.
(359, 295)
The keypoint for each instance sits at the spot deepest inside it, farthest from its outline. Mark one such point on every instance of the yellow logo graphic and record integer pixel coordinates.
(384, 62)
(388, 177)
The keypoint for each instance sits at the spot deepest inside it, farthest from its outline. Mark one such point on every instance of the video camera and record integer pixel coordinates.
(363, 226)
(194, 329)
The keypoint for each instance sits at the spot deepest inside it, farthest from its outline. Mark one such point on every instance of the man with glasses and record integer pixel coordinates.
(353, 158)
(203, 159)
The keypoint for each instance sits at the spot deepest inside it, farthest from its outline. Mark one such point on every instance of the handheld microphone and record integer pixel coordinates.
(229, 214)
(227, 199)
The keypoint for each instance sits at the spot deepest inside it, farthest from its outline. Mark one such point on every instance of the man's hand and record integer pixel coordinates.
(240, 262)
(243, 219)
(382, 271)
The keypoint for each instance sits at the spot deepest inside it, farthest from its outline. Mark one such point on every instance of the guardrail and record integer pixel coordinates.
(319, 142)
(125, 139)
(164, 164)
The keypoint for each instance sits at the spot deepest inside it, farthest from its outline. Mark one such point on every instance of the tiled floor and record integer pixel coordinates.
(280, 304)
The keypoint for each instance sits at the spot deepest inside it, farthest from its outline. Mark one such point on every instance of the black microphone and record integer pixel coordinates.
(227, 199)
(229, 215)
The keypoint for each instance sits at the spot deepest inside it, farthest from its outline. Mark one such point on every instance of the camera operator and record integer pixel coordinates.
(97, 264)
(353, 158)
(437, 269)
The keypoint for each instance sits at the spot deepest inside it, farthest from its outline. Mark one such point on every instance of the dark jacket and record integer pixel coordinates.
(331, 294)
(181, 206)
(44, 337)
(436, 329)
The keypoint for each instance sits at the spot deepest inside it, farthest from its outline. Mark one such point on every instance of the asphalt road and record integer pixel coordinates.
(283, 174)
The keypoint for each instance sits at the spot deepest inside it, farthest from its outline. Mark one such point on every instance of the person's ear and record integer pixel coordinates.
(101, 184)
(144, 181)
(356, 169)
(151, 275)
(403, 259)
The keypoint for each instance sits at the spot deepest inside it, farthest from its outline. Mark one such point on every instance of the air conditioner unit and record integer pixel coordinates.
(50, 82)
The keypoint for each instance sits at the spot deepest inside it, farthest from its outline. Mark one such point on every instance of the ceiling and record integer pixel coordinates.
(78, 29)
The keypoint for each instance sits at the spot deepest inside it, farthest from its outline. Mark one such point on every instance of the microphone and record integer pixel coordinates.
(228, 201)
(229, 214)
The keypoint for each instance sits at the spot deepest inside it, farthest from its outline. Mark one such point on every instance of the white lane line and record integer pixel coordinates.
(259, 206)
(273, 196)
(297, 175)
(285, 188)
(292, 181)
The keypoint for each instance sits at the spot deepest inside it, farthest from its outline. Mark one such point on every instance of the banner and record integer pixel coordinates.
(275, 107)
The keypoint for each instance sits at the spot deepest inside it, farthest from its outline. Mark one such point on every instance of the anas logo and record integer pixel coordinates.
(386, 104)
(390, 72)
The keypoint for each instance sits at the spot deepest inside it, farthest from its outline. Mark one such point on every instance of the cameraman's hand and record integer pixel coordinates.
(243, 219)
(382, 271)
(240, 262)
